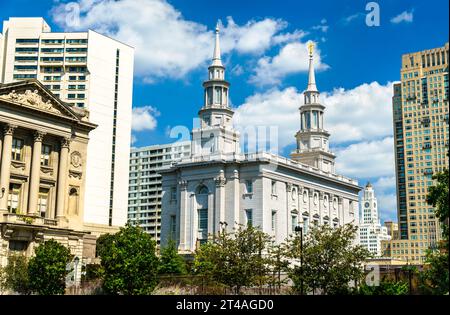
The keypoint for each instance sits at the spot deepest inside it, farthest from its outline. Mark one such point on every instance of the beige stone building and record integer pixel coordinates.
(421, 134)
(43, 171)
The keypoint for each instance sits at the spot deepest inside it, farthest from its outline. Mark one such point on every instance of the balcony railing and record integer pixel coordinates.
(27, 219)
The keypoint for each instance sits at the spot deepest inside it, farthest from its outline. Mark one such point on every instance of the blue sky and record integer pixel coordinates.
(263, 44)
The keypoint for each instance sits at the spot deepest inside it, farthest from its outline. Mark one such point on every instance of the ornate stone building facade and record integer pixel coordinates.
(220, 187)
(43, 170)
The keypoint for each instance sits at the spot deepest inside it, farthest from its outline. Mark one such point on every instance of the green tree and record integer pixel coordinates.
(129, 262)
(439, 199)
(386, 287)
(170, 261)
(434, 279)
(330, 260)
(278, 263)
(103, 241)
(16, 274)
(435, 276)
(47, 270)
(235, 259)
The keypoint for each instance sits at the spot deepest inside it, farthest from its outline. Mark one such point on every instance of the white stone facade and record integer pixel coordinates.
(371, 232)
(217, 186)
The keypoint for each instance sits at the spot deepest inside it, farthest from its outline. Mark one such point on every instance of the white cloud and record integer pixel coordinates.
(366, 159)
(385, 192)
(255, 37)
(133, 139)
(322, 26)
(405, 16)
(292, 58)
(144, 118)
(353, 17)
(360, 114)
(166, 44)
(237, 70)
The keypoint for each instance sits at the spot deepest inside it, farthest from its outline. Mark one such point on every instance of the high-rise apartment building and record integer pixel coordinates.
(392, 229)
(371, 232)
(145, 188)
(420, 113)
(85, 70)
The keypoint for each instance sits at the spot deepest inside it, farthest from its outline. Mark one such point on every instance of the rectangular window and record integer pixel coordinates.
(173, 193)
(249, 186)
(305, 225)
(274, 220)
(14, 197)
(19, 246)
(274, 187)
(45, 154)
(293, 222)
(173, 227)
(43, 202)
(203, 219)
(17, 146)
(249, 217)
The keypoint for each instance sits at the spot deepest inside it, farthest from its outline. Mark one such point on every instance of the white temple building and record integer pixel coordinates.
(218, 187)
(371, 232)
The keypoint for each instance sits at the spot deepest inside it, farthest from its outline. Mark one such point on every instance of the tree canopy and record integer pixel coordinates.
(47, 269)
(129, 262)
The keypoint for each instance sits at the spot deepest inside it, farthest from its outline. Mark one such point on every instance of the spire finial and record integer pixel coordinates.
(311, 49)
(311, 77)
(216, 60)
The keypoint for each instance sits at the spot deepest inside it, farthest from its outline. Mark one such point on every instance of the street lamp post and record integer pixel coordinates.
(299, 230)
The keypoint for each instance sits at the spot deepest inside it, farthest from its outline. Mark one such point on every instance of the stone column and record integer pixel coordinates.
(219, 207)
(5, 167)
(62, 177)
(236, 200)
(1, 146)
(311, 205)
(288, 212)
(341, 211)
(183, 210)
(321, 208)
(35, 172)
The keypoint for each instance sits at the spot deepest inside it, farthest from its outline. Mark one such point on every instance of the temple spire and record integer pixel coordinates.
(216, 61)
(311, 77)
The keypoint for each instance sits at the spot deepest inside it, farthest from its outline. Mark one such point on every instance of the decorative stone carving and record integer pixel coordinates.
(183, 184)
(220, 180)
(65, 142)
(18, 165)
(288, 187)
(75, 174)
(38, 136)
(30, 98)
(9, 129)
(47, 170)
(76, 159)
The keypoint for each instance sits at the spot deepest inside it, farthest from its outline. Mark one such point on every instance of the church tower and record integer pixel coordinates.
(312, 138)
(215, 134)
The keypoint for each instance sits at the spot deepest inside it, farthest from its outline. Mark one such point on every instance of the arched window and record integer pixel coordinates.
(202, 190)
(73, 201)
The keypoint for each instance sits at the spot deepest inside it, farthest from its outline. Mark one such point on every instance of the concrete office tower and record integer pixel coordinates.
(371, 232)
(420, 107)
(86, 70)
(145, 189)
